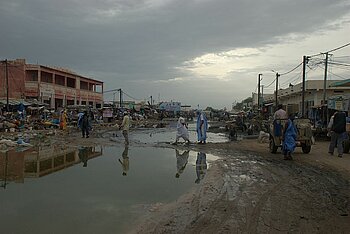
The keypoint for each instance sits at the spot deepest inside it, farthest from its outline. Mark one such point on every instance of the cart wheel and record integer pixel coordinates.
(306, 148)
(346, 146)
(273, 147)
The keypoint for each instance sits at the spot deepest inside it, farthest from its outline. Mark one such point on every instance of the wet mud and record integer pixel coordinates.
(252, 193)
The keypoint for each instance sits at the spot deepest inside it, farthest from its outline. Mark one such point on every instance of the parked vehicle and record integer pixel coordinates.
(304, 135)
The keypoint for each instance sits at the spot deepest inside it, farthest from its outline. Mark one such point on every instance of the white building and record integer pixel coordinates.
(292, 96)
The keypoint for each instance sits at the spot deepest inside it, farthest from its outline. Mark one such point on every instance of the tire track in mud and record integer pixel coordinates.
(305, 188)
(295, 197)
(257, 193)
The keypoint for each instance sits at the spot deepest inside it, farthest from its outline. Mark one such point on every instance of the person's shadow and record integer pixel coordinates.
(125, 161)
(201, 166)
(181, 161)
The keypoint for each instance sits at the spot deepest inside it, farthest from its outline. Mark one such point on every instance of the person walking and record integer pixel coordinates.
(337, 127)
(289, 138)
(85, 124)
(182, 131)
(202, 127)
(125, 126)
(279, 115)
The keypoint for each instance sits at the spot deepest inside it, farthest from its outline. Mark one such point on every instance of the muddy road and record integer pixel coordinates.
(247, 190)
(252, 191)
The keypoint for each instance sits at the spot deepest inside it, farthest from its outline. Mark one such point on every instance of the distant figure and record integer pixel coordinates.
(182, 131)
(125, 162)
(279, 114)
(337, 127)
(202, 127)
(80, 118)
(85, 124)
(181, 161)
(91, 119)
(201, 166)
(289, 138)
(126, 126)
(63, 120)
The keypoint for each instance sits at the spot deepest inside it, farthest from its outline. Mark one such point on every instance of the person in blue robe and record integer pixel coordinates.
(289, 138)
(202, 127)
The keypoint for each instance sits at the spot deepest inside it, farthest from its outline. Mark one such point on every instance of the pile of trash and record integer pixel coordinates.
(8, 144)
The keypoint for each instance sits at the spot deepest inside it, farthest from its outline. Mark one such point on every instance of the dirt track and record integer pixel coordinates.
(253, 191)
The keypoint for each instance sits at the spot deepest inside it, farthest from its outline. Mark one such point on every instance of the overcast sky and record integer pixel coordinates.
(198, 52)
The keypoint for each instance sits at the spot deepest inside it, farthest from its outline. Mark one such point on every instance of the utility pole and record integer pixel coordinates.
(276, 93)
(262, 95)
(120, 97)
(325, 116)
(259, 79)
(305, 60)
(7, 87)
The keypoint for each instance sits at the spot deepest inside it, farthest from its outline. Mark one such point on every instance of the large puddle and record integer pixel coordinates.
(168, 135)
(91, 190)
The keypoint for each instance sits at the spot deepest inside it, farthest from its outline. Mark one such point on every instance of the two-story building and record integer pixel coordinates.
(57, 87)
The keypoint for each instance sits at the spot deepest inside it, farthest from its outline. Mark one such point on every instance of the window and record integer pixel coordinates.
(46, 77)
(59, 80)
(70, 82)
(84, 85)
(31, 75)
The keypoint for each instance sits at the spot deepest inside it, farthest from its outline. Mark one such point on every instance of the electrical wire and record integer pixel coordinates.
(270, 83)
(332, 50)
(126, 94)
(338, 48)
(293, 79)
(339, 64)
(291, 69)
(344, 78)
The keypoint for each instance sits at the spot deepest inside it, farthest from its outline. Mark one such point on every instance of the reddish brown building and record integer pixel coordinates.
(57, 87)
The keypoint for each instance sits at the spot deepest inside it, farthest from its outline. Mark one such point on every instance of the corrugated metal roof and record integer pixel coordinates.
(341, 83)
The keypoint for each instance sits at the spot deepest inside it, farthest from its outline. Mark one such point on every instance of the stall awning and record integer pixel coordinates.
(14, 102)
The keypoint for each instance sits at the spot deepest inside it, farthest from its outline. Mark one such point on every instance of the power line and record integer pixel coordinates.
(292, 79)
(270, 84)
(291, 69)
(340, 64)
(344, 78)
(341, 67)
(332, 50)
(131, 96)
(338, 48)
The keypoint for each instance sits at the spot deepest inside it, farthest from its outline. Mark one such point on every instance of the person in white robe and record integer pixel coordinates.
(182, 131)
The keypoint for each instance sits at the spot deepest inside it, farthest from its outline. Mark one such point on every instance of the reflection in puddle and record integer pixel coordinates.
(113, 190)
(201, 166)
(38, 161)
(125, 161)
(181, 161)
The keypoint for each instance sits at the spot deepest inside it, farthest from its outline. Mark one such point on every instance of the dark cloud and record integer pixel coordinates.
(131, 40)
